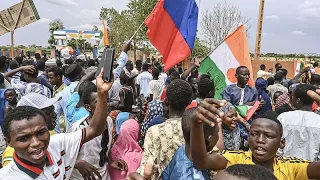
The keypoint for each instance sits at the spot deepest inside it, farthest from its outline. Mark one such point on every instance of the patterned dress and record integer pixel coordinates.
(155, 109)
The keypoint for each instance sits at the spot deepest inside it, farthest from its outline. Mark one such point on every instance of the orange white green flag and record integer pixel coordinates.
(222, 63)
(104, 42)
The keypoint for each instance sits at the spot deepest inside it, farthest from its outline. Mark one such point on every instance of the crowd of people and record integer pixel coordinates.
(60, 121)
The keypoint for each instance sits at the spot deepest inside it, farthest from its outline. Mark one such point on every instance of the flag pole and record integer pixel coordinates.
(212, 50)
(135, 33)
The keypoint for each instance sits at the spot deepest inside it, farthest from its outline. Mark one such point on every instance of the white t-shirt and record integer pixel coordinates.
(301, 130)
(90, 151)
(163, 76)
(276, 87)
(156, 88)
(23, 88)
(143, 80)
(61, 154)
(263, 74)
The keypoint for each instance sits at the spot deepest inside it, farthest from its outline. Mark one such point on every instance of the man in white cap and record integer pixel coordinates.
(41, 102)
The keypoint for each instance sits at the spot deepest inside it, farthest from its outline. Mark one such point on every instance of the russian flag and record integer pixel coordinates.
(172, 28)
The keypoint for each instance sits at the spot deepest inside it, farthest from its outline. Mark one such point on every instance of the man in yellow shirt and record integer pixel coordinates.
(264, 141)
(38, 101)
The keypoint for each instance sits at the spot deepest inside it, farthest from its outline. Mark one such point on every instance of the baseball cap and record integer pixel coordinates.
(37, 100)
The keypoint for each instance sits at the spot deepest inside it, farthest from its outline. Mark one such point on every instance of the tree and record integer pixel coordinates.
(73, 43)
(81, 44)
(53, 26)
(118, 26)
(217, 23)
(95, 28)
(200, 50)
(139, 10)
(122, 25)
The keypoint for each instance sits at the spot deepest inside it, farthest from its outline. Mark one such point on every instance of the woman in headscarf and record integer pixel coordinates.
(261, 86)
(283, 102)
(121, 118)
(126, 148)
(155, 109)
(113, 114)
(233, 138)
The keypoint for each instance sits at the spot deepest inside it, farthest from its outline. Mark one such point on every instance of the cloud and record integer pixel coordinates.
(87, 16)
(45, 20)
(68, 3)
(272, 17)
(311, 9)
(82, 27)
(298, 33)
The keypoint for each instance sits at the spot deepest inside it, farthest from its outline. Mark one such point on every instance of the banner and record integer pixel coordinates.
(9, 16)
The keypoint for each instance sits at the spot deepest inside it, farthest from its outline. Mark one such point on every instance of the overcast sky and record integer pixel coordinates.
(290, 26)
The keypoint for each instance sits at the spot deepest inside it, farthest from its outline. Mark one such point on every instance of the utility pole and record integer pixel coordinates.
(259, 31)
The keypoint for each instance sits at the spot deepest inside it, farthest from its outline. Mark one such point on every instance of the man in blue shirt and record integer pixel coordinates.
(241, 93)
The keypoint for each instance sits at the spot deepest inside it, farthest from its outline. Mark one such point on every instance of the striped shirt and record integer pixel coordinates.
(61, 157)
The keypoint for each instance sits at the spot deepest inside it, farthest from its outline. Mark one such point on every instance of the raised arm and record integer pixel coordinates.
(122, 60)
(313, 168)
(87, 77)
(98, 122)
(8, 75)
(208, 109)
(188, 71)
(296, 78)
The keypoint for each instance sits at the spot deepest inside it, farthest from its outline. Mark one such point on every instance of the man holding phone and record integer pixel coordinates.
(114, 97)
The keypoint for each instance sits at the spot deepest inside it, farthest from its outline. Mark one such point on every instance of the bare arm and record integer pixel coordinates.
(87, 77)
(220, 144)
(201, 159)
(188, 71)
(313, 170)
(6, 110)
(297, 77)
(8, 75)
(98, 121)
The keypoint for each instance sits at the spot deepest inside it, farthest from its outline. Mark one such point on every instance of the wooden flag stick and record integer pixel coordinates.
(135, 33)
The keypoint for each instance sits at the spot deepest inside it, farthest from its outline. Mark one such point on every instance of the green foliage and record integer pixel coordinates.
(200, 50)
(139, 11)
(95, 28)
(81, 44)
(122, 25)
(118, 25)
(53, 26)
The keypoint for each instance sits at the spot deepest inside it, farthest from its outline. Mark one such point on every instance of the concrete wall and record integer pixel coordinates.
(289, 65)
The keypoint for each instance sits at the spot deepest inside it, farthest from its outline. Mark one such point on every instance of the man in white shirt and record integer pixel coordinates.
(263, 73)
(143, 80)
(277, 86)
(163, 76)
(138, 67)
(36, 155)
(94, 154)
(156, 86)
(32, 83)
(301, 128)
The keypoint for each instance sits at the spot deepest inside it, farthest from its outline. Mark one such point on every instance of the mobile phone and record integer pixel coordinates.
(106, 63)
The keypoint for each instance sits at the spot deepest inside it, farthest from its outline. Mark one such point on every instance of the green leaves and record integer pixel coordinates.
(122, 25)
(53, 26)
